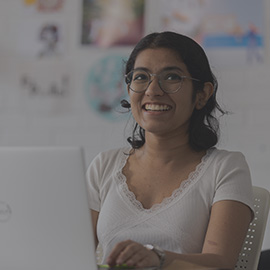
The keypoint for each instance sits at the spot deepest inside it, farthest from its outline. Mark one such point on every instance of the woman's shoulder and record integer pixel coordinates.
(228, 157)
(111, 157)
(108, 161)
(114, 153)
(226, 154)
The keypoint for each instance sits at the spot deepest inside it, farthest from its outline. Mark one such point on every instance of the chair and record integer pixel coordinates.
(264, 262)
(249, 256)
(99, 254)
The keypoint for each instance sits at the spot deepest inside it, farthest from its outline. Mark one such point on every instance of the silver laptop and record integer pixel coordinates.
(45, 222)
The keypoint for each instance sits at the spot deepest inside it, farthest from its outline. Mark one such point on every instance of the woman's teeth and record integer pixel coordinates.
(156, 107)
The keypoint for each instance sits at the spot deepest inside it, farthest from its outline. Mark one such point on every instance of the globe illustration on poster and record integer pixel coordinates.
(105, 86)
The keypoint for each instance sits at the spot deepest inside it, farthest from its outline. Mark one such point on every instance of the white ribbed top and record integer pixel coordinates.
(177, 224)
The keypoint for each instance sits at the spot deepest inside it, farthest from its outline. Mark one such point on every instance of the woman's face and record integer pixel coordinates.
(154, 110)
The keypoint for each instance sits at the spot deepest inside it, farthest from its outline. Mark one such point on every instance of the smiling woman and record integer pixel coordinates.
(203, 124)
(172, 88)
(171, 194)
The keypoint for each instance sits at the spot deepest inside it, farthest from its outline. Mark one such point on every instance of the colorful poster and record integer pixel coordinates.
(105, 86)
(223, 27)
(49, 5)
(107, 23)
(45, 5)
(183, 16)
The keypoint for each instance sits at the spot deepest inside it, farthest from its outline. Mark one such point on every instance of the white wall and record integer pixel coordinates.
(244, 91)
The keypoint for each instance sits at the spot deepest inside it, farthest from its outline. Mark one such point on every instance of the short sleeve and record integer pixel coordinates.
(234, 180)
(93, 177)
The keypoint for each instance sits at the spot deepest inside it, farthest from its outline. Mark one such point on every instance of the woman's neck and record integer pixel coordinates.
(161, 150)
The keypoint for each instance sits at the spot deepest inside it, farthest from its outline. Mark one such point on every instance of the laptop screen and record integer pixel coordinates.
(45, 221)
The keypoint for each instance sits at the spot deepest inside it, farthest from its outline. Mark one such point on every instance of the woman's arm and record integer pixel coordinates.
(94, 215)
(226, 232)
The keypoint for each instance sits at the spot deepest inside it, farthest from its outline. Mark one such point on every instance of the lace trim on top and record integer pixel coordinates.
(175, 194)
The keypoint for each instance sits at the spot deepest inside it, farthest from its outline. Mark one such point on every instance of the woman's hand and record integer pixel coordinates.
(132, 254)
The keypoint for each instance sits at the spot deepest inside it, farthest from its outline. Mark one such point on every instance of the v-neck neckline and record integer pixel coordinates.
(130, 197)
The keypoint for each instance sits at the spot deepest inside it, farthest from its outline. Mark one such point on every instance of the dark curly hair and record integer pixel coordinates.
(204, 126)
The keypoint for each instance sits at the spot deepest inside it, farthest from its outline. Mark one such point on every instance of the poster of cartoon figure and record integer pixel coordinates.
(41, 72)
(107, 23)
(38, 28)
(40, 38)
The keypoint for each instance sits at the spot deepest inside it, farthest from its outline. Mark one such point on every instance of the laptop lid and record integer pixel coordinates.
(45, 223)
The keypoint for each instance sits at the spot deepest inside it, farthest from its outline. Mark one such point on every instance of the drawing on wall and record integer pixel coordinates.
(45, 87)
(39, 35)
(227, 31)
(50, 37)
(107, 23)
(105, 86)
(54, 88)
(41, 38)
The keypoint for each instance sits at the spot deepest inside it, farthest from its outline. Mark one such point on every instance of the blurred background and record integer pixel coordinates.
(62, 61)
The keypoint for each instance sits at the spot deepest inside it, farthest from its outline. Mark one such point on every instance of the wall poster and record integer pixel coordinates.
(107, 23)
(229, 33)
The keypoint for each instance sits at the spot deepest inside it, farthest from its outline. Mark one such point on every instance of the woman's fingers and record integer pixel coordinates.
(136, 255)
(111, 260)
(133, 254)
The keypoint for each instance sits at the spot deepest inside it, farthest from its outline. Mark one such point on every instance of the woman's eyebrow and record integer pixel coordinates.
(163, 69)
(142, 68)
(173, 68)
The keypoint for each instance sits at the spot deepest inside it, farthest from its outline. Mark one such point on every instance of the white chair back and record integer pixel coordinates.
(249, 256)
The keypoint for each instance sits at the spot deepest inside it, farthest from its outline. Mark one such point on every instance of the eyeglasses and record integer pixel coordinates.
(170, 81)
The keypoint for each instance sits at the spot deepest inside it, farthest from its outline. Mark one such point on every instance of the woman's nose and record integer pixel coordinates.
(153, 88)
